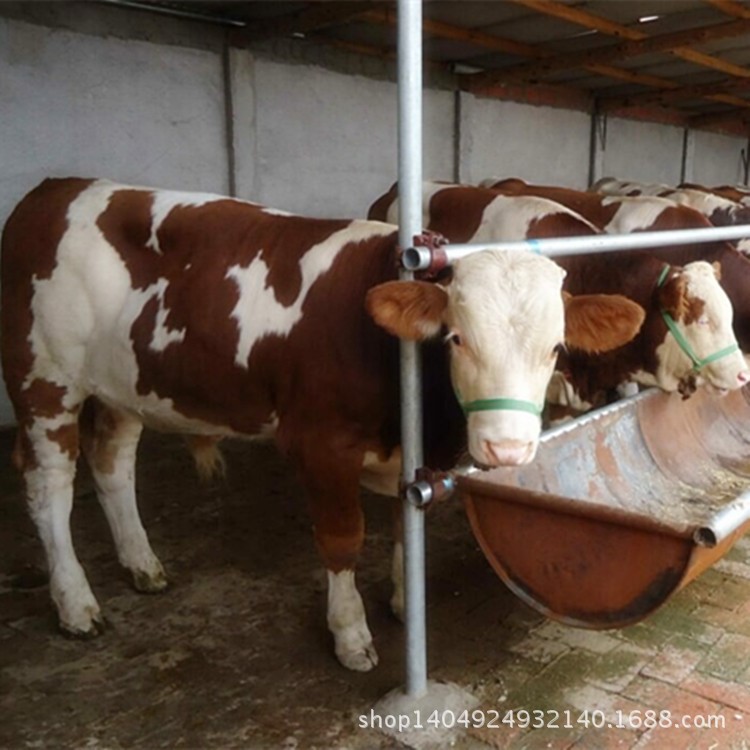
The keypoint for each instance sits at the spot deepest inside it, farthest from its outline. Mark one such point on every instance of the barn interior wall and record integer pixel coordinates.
(144, 99)
(324, 143)
(651, 152)
(537, 144)
(718, 158)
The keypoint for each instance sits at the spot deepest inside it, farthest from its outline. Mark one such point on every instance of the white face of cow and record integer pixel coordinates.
(703, 314)
(503, 315)
(505, 319)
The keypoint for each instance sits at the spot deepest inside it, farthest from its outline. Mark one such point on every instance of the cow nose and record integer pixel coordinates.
(508, 452)
(744, 377)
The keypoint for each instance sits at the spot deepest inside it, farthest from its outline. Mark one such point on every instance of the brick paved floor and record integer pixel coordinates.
(690, 659)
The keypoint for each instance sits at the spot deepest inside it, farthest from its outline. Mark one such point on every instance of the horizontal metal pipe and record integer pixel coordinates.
(725, 522)
(419, 258)
(165, 10)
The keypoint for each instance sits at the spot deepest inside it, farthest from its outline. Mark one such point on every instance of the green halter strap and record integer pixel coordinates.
(501, 404)
(683, 343)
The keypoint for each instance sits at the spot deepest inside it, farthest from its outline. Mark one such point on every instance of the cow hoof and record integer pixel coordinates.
(150, 583)
(362, 660)
(96, 627)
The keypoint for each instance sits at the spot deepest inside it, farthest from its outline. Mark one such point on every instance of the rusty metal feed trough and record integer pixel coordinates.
(620, 509)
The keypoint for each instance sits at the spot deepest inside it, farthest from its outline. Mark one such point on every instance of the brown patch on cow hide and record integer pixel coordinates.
(679, 217)
(199, 374)
(31, 237)
(510, 185)
(126, 225)
(558, 225)
(456, 212)
(98, 425)
(66, 437)
(44, 398)
(688, 385)
(588, 205)
(675, 300)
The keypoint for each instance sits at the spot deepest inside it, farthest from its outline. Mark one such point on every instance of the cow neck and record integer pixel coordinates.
(682, 342)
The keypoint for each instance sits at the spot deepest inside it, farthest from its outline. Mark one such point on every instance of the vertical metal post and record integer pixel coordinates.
(597, 146)
(410, 224)
(688, 156)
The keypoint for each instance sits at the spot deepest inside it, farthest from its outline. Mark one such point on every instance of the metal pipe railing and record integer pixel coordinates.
(423, 257)
(410, 224)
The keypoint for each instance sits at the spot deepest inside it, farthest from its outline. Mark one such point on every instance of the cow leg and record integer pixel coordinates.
(110, 440)
(332, 481)
(46, 453)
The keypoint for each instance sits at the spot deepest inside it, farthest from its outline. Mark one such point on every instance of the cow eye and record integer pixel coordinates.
(704, 321)
(453, 338)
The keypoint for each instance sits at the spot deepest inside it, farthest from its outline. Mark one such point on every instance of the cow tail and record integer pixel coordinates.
(209, 460)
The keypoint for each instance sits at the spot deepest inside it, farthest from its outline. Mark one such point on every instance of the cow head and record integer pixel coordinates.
(504, 317)
(700, 348)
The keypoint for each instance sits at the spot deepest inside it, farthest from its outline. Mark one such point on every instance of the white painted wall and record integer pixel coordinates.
(717, 159)
(324, 143)
(642, 151)
(537, 144)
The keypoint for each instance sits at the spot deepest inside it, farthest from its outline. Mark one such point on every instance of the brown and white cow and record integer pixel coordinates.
(655, 357)
(720, 211)
(212, 316)
(730, 192)
(464, 213)
(614, 214)
(617, 214)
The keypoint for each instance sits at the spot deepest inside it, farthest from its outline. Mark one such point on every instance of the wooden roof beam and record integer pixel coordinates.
(731, 8)
(699, 91)
(604, 25)
(609, 55)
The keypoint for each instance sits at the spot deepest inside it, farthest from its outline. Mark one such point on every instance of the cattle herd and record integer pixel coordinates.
(216, 317)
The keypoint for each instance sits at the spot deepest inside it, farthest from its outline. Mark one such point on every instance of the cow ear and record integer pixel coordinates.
(411, 310)
(596, 323)
(673, 297)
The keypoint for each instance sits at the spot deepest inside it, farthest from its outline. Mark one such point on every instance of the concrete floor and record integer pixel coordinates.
(236, 653)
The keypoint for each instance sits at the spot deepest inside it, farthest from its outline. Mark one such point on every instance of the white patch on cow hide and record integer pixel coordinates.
(634, 213)
(705, 203)
(258, 313)
(509, 217)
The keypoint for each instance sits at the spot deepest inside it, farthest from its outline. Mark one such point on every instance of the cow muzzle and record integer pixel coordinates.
(508, 452)
(508, 438)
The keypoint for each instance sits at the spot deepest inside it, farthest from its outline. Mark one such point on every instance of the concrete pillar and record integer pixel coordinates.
(241, 124)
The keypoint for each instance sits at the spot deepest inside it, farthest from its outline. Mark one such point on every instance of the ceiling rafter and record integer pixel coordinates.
(730, 8)
(605, 26)
(623, 50)
(499, 44)
(711, 90)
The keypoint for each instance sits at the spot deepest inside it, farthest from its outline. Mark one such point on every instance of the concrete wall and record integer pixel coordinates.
(642, 151)
(649, 152)
(323, 143)
(537, 144)
(717, 159)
